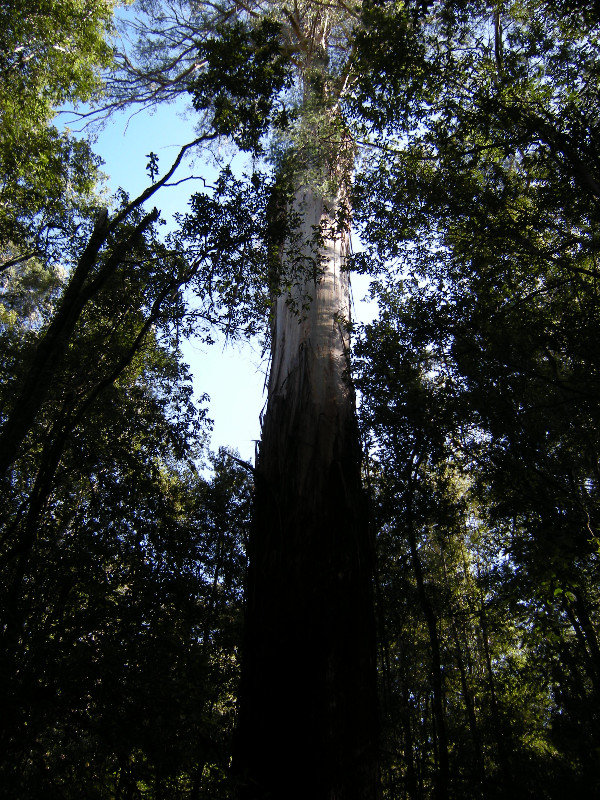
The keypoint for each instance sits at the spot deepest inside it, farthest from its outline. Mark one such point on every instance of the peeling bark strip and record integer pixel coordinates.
(307, 720)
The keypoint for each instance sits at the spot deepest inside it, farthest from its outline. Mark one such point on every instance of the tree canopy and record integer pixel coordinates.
(473, 129)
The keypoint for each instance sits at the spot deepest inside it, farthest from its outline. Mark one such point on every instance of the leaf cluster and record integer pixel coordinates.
(245, 70)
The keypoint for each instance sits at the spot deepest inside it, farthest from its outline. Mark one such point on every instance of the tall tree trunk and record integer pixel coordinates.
(307, 708)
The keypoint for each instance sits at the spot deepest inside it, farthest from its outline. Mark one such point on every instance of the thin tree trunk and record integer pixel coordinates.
(576, 614)
(307, 708)
(438, 714)
(467, 695)
(588, 630)
(413, 788)
(498, 721)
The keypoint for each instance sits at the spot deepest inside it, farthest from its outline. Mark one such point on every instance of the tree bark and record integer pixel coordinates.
(307, 704)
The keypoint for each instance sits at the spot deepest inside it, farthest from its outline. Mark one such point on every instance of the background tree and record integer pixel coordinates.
(121, 582)
(492, 304)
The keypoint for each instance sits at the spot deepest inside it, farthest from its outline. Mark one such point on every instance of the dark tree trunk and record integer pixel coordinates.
(307, 708)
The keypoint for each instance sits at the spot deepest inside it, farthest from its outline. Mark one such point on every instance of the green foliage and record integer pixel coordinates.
(460, 614)
(245, 70)
(121, 567)
(127, 668)
(484, 367)
(233, 234)
(51, 54)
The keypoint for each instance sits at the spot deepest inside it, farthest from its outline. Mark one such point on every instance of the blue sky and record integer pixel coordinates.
(232, 375)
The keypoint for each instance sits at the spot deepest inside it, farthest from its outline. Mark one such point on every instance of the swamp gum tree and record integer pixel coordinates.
(307, 704)
(307, 701)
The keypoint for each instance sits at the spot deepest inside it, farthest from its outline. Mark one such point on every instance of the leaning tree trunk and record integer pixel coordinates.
(307, 707)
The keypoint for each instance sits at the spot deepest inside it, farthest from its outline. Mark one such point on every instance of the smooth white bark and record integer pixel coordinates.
(311, 319)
